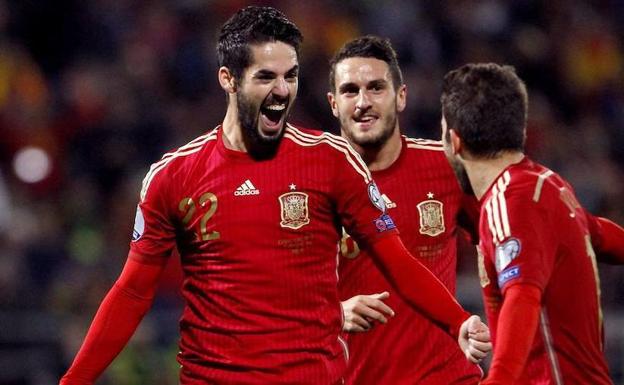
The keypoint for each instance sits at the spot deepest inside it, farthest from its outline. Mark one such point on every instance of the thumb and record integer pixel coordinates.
(475, 325)
(382, 295)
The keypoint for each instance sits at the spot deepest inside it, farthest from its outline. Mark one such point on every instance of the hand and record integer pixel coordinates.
(360, 311)
(474, 339)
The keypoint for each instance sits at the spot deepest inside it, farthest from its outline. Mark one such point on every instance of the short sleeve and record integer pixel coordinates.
(526, 251)
(153, 237)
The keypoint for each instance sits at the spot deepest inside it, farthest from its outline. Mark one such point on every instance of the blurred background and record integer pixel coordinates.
(93, 91)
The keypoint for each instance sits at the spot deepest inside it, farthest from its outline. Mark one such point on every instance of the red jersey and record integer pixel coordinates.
(424, 199)
(533, 231)
(258, 241)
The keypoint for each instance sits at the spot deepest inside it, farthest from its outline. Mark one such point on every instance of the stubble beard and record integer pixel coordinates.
(389, 124)
(258, 146)
(461, 175)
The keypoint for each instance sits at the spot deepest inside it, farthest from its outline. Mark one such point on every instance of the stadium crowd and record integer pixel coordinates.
(92, 92)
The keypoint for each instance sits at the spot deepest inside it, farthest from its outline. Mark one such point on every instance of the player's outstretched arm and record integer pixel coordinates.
(517, 325)
(115, 321)
(607, 239)
(420, 288)
(362, 310)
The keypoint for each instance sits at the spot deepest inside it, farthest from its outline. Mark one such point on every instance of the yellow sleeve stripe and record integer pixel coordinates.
(496, 207)
(424, 144)
(540, 184)
(190, 148)
(304, 139)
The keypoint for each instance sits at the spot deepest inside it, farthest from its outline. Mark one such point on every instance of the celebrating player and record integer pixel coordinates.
(254, 207)
(425, 201)
(537, 265)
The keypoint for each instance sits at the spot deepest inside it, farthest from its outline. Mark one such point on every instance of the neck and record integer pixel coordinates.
(232, 130)
(382, 157)
(482, 172)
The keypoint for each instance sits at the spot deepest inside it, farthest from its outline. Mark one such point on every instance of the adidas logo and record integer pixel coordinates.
(247, 188)
(389, 203)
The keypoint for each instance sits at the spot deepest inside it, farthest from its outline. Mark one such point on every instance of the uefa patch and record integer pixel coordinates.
(506, 253)
(384, 223)
(508, 275)
(375, 197)
(139, 225)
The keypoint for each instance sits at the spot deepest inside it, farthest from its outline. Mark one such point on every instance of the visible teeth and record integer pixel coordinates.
(276, 107)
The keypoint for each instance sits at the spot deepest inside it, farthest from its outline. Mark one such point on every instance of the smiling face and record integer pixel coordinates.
(365, 101)
(266, 92)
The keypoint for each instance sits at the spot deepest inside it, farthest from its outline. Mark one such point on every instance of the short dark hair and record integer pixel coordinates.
(253, 25)
(486, 104)
(367, 46)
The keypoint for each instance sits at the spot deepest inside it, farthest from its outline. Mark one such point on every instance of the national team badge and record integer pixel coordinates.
(431, 216)
(295, 213)
(139, 225)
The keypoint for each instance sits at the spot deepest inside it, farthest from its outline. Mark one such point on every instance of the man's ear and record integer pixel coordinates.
(332, 103)
(401, 98)
(227, 80)
(457, 144)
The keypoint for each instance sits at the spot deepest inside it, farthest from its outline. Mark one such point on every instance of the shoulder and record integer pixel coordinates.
(527, 190)
(306, 137)
(423, 145)
(425, 150)
(532, 182)
(328, 147)
(315, 140)
(177, 162)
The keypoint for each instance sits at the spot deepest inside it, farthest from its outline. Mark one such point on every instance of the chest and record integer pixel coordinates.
(226, 204)
(423, 205)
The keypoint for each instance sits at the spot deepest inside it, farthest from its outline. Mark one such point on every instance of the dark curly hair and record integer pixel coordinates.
(486, 104)
(367, 46)
(253, 25)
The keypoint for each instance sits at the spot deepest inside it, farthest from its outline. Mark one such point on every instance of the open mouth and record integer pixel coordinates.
(272, 116)
(365, 120)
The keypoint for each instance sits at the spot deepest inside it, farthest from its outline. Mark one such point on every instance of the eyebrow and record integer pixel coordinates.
(265, 72)
(262, 73)
(293, 70)
(373, 83)
(377, 83)
(344, 87)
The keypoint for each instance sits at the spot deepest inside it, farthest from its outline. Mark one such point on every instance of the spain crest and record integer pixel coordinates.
(294, 210)
(431, 217)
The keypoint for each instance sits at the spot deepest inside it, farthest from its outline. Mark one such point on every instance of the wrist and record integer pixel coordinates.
(455, 328)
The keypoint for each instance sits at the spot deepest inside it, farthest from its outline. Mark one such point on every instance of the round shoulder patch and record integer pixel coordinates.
(139, 225)
(375, 197)
(507, 252)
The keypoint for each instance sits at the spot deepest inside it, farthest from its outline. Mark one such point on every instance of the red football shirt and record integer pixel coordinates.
(424, 199)
(533, 231)
(258, 242)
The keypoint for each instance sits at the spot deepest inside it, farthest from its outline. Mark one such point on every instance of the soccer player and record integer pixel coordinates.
(425, 201)
(254, 208)
(537, 265)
